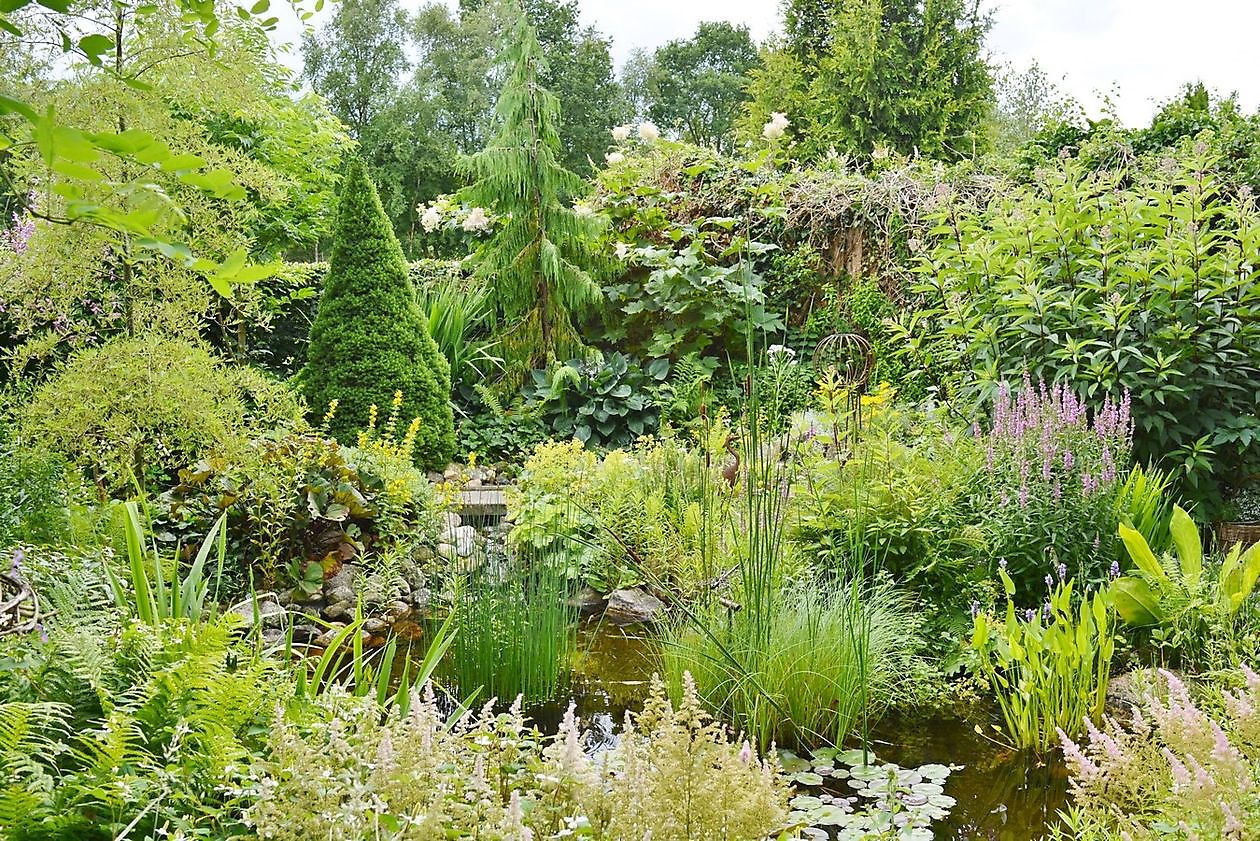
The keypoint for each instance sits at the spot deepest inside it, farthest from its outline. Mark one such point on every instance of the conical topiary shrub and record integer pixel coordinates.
(369, 339)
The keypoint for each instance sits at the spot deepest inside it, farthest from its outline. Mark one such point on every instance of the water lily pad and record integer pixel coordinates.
(927, 788)
(807, 778)
(806, 802)
(825, 754)
(869, 772)
(791, 763)
(942, 801)
(829, 816)
(934, 771)
(856, 757)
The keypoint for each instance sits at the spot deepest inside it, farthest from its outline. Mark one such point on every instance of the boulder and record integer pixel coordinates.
(376, 626)
(633, 606)
(339, 610)
(465, 541)
(326, 638)
(588, 601)
(446, 550)
(340, 586)
(265, 605)
(397, 611)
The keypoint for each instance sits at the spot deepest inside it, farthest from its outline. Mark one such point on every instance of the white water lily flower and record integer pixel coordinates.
(431, 219)
(621, 133)
(649, 132)
(476, 220)
(614, 158)
(776, 127)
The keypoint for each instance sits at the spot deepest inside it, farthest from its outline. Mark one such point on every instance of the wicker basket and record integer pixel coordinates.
(1227, 534)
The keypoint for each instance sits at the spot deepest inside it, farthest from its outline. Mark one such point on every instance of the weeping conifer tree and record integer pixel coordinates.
(537, 263)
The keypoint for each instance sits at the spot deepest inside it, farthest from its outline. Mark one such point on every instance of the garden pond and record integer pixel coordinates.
(951, 773)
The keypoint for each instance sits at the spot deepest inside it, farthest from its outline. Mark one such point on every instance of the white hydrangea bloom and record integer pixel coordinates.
(431, 219)
(621, 133)
(614, 158)
(476, 220)
(649, 132)
(776, 127)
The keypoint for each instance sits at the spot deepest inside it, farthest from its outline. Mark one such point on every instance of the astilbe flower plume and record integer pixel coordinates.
(1174, 764)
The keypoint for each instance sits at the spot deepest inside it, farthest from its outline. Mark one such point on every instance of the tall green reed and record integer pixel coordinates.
(788, 662)
(515, 628)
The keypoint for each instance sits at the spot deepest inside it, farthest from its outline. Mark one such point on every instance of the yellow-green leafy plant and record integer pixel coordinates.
(336, 769)
(1197, 609)
(1049, 668)
(136, 410)
(654, 514)
(680, 778)
(1180, 769)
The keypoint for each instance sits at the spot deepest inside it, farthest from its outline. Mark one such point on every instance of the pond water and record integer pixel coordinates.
(1002, 795)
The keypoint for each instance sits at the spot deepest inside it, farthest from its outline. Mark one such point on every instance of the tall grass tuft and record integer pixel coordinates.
(514, 629)
(792, 663)
(804, 674)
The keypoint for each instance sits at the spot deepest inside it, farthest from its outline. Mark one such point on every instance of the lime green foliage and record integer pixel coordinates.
(538, 261)
(604, 402)
(677, 777)
(655, 514)
(1183, 767)
(136, 410)
(138, 727)
(1199, 611)
(1048, 668)
(369, 339)
(1137, 279)
(900, 503)
(828, 658)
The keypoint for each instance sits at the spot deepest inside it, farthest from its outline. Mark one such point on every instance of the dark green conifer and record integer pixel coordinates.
(369, 338)
(537, 263)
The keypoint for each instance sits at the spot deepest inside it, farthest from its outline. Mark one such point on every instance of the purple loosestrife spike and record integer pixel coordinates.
(975, 609)
(1115, 570)
(1062, 571)
(1046, 612)
(1049, 581)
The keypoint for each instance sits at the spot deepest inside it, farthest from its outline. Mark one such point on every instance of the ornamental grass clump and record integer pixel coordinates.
(1180, 769)
(1053, 469)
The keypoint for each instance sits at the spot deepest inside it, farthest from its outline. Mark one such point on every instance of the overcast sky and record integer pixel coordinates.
(1144, 48)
